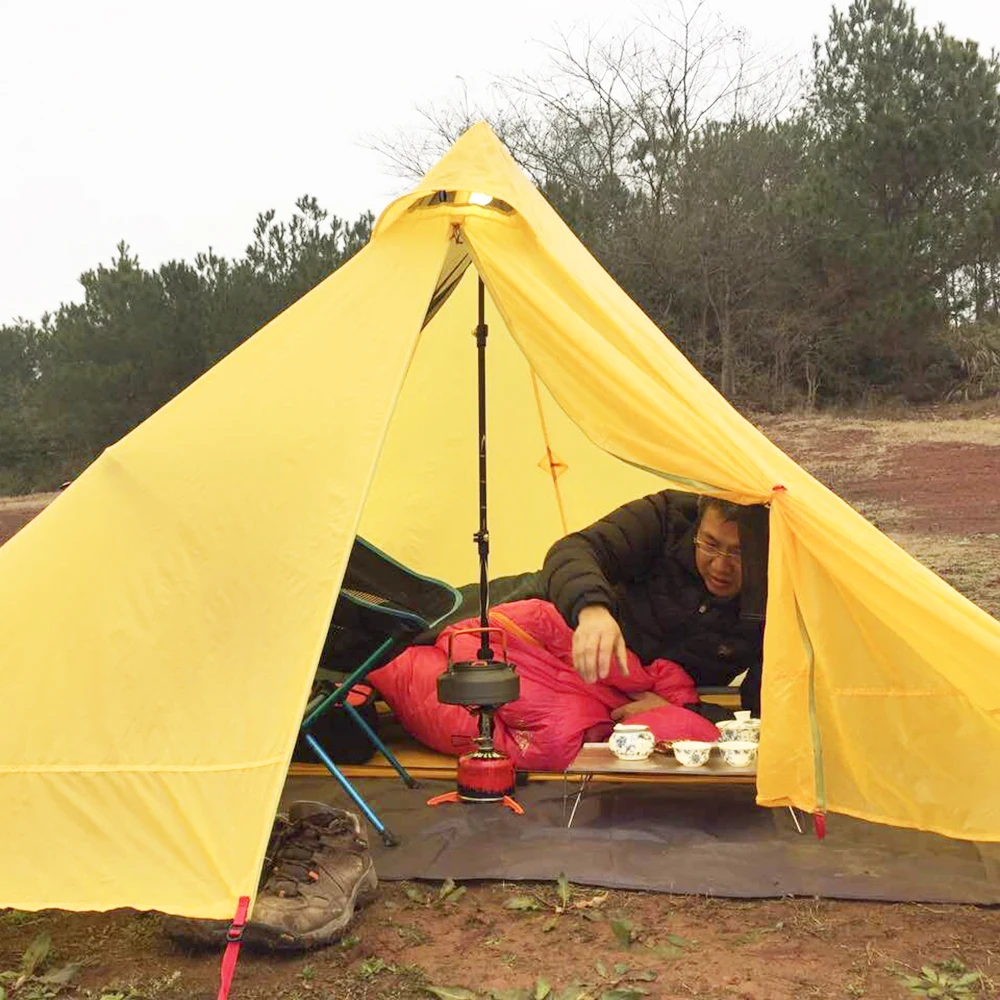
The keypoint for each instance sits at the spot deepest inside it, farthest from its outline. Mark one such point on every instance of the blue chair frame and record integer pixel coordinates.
(382, 608)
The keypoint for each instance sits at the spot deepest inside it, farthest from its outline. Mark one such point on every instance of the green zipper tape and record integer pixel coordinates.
(813, 717)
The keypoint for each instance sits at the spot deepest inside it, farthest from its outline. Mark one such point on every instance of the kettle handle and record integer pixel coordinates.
(480, 632)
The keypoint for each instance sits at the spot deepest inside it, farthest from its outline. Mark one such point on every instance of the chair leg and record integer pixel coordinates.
(340, 695)
(379, 745)
(388, 838)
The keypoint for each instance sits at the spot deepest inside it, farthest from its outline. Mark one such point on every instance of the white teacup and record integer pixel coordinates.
(742, 727)
(729, 729)
(692, 753)
(738, 753)
(631, 742)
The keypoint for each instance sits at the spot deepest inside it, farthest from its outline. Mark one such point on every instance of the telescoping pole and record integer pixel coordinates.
(482, 537)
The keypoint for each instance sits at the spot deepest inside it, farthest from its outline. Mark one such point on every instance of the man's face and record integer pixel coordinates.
(717, 554)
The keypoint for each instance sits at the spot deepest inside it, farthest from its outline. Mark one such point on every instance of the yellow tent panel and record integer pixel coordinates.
(545, 475)
(165, 614)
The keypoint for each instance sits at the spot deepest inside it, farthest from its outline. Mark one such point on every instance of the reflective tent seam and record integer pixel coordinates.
(137, 768)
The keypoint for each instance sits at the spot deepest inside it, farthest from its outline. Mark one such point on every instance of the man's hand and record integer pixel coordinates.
(596, 639)
(642, 703)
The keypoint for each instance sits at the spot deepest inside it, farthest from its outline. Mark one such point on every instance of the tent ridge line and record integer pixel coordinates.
(138, 768)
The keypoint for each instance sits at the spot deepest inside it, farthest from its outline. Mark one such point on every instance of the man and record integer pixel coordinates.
(673, 583)
(670, 575)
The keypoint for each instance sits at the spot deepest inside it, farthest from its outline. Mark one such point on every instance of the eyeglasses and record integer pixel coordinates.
(714, 552)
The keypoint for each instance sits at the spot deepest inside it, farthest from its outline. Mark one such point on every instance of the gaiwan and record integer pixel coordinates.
(631, 741)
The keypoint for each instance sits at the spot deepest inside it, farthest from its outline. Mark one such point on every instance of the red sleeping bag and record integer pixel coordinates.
(557, 710)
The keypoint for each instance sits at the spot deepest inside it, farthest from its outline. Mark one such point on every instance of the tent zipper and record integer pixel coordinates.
(818, 776)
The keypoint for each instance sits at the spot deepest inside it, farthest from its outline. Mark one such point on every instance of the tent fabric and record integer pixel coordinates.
(165, 614)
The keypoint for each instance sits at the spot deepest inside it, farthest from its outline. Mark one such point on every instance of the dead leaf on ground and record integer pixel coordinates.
(584, 904)
(667, 951)
(644, 976)
(679, 942)
(563, 889)
(573, 993)
(36, 953)
(451, 992)
(623, 931)
(522, 903)
(61, 976)
(415, 895)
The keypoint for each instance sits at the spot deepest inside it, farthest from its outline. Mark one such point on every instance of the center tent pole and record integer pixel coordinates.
(482, 536)
(484, 684)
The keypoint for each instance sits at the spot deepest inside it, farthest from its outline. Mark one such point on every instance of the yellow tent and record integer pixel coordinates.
(164, 616)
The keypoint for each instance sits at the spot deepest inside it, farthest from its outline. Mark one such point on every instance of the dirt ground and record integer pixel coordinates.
(678, 947)
(932, 484)
(16, 512)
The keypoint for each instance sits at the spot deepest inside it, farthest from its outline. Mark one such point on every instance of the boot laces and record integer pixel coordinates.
(295, 858)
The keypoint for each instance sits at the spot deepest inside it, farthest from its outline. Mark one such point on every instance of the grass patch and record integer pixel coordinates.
(948, 980)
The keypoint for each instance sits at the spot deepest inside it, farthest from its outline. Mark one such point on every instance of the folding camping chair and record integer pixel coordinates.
(382, 608)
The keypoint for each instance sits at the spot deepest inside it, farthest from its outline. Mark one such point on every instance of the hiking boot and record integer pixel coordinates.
(201, 932)
(322, 870)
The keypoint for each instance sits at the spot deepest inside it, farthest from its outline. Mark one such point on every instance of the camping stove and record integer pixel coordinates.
(485, 774)
(482, 685)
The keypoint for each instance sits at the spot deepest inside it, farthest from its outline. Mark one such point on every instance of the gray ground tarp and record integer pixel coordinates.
(665, 838)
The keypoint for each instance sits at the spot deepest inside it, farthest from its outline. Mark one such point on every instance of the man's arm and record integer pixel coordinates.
(582, 569)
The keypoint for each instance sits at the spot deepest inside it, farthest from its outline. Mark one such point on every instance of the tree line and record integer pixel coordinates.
(833, 239)
(82, 377)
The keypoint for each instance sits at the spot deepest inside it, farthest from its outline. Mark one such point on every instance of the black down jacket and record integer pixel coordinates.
(638, 562)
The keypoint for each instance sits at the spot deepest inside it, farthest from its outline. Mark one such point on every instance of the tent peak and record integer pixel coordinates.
(476, 170)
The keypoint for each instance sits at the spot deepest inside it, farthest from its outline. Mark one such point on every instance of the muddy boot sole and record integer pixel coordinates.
(267, 938)
(191, 932)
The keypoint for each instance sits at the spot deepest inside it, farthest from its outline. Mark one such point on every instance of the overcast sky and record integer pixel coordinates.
(171, 125)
